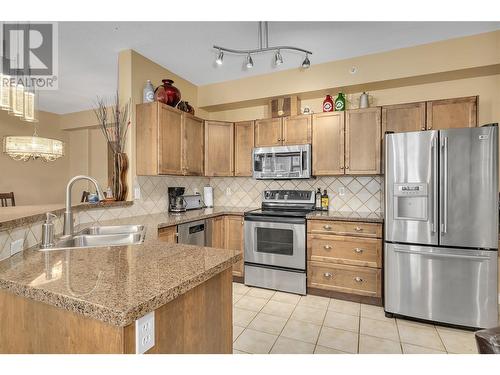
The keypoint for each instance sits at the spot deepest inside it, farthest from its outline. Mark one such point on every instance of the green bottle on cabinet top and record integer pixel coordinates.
(340, 102)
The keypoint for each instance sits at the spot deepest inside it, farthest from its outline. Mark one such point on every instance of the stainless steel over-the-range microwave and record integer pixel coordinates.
(282, 162)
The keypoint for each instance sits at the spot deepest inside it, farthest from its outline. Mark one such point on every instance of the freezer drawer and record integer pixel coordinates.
(447, 285)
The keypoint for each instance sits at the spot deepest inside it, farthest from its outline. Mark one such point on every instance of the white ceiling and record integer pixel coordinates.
(88, 51)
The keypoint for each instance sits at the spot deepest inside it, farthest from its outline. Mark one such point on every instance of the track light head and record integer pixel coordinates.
(220, 57)
(278, 59)
(249, 62)
(306, 63)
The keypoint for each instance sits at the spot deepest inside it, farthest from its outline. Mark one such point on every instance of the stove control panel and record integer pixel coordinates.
(288, 196)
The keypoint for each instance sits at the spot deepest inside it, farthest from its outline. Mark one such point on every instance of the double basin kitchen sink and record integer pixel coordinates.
(101, 236)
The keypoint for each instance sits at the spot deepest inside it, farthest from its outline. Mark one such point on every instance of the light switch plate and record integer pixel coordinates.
(145, 333)
(16, 246)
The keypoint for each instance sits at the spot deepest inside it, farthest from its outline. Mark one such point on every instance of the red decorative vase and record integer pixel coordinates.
(167, 93)
(328, 104)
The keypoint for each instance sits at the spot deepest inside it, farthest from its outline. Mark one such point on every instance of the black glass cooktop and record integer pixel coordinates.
(278, 212)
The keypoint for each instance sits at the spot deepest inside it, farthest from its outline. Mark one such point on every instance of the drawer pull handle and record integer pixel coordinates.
(358, 250)
(328, 275)
(327, 247)
(358, 279)
(327, 227)
(358, 229)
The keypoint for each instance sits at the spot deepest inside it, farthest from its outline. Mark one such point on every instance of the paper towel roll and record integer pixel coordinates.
(208, 196)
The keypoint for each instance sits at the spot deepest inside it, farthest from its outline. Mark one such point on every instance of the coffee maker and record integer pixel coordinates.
(176, 201)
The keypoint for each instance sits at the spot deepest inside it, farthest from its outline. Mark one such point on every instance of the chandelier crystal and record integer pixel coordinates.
(24, 148)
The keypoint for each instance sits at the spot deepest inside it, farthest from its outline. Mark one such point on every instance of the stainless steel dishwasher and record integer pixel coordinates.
(192, 233)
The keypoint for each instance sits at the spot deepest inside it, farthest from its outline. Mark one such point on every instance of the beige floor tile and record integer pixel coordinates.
(255, 342)
(414, 323)
(268, 323)
(278, 308)
(420, 335)
(324, 350)
(242, 317)
(237, 331)
(376, 345)
(285, 345)
(261, 293)
(286, 298)
(316, 302)
(302, 331)
(240, 288)
(373, 312)
(344, 307)
(378, 328)
(237, 297)
(458, 341)
(342, 321)
(238, 352)
(338, 339)
(251, 303)
(415, 349)
(308, 314)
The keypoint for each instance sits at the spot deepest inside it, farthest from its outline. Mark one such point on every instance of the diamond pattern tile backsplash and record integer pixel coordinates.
(362, 194)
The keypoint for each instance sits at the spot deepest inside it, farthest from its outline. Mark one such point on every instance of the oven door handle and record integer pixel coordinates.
(271, 219)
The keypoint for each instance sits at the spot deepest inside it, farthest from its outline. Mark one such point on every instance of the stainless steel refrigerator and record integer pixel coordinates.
(441, 226)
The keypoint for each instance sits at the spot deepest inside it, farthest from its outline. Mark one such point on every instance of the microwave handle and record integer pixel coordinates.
(301, 162)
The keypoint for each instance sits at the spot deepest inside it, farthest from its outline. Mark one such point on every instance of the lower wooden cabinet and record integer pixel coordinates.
(168, 234)
(234, 239)
(217, 232)
(345, 257)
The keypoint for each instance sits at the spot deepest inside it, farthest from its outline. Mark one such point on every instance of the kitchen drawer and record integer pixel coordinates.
(356, 251)
(363, 281)
(345, 228)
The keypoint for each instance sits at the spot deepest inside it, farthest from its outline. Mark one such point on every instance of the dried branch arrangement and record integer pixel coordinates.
(114, 122)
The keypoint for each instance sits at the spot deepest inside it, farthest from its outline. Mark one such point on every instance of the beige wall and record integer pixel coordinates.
(34, 181)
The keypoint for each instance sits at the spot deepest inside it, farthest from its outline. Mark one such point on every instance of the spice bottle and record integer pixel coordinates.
(325, 201)
(318, 200)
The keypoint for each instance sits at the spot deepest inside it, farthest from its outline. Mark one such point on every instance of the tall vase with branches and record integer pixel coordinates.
(114, 123)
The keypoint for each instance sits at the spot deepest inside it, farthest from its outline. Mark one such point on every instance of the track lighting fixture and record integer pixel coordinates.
(220, 57)
(306, 63)
(249, 62)
(278, 59)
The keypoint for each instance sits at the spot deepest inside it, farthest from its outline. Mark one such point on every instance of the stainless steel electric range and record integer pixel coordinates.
(275, 241)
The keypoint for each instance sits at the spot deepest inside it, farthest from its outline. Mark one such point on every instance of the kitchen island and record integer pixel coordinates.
(87, 300)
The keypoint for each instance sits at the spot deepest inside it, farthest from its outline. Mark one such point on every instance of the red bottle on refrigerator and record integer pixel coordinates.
(328, 104)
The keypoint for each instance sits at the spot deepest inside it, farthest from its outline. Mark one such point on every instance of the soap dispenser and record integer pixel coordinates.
(48, 231)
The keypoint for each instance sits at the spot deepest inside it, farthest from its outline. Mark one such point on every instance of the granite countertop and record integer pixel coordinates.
(118, 285)
(11, 217)
(369, 217)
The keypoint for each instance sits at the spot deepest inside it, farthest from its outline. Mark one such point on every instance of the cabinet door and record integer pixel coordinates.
(297, 130)
(219, 141)
(363, 130)
(328, 144)
(170, 140)
(192, 145)
(243, 146)
(268, 132)
(452, 113)
(234, 239)
(217, 232)
(168, 234)
(400, 118)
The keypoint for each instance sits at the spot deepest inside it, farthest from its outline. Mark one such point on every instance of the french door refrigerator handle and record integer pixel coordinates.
(435, 185)
(443, 255)
(444, 214)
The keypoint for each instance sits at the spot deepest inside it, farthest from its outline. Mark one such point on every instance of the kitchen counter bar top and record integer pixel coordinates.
(119, 284)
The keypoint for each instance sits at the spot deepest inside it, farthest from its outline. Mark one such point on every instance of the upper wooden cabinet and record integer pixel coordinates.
(452, 113)
(297, 130)
(290, 130)
(243, 147)
(328, 144)
(168, 141)
(268, 132)
(192, 145)
(363, 129)
(219, 143)
(399, 118)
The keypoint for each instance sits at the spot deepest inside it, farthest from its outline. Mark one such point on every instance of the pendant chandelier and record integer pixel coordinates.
(18, 96)
(263, 47)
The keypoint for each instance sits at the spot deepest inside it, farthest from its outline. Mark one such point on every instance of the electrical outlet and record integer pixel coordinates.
(145, 333)
(341, 191)
(228, 191)
(137, 193)
(16, 246)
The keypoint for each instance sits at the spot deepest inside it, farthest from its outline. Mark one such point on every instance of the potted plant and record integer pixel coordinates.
(114, 123)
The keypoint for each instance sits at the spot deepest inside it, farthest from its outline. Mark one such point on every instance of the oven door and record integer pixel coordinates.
(276, 241)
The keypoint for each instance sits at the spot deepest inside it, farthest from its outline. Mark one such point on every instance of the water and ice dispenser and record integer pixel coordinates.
(411, 201)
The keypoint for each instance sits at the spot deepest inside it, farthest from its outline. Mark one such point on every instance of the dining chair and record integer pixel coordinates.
(6, 197)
